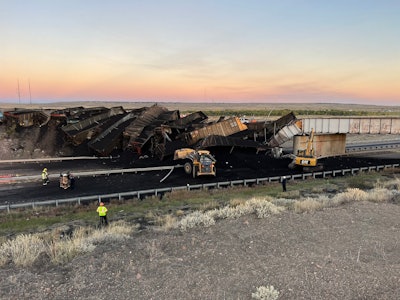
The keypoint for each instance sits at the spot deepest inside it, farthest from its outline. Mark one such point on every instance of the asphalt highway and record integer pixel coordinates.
(240, 164)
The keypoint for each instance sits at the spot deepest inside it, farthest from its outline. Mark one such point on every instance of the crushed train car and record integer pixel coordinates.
(26, 117)
(155, 130)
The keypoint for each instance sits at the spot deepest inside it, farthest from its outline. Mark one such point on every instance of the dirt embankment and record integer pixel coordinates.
(347, 252)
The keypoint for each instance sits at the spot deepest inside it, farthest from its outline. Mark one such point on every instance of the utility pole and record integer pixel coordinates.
(30, 95)
(19, 93)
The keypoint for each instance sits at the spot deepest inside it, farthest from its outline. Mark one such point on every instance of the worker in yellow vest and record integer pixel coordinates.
(102, 211)
(45, 177)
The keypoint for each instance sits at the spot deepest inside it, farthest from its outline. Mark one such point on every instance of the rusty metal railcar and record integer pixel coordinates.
(223, 128)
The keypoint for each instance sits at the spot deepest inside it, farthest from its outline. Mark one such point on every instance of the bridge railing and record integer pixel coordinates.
(222, 184)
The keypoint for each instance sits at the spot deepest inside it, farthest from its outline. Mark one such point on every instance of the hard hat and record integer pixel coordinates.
(101, 203)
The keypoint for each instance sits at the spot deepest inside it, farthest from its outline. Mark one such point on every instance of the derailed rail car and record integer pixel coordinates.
(224, 128)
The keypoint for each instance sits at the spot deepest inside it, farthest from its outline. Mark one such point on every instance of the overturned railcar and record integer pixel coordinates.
(88, 128)
(223, 128)
(27, 117)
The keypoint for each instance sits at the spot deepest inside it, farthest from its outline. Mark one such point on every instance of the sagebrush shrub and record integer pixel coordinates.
(262, 207)
(265, 293)
(195, 219)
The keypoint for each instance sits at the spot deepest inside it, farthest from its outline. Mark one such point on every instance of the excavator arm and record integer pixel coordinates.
(306, 158)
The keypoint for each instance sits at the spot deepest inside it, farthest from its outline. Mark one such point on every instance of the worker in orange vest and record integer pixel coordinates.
(102, 211)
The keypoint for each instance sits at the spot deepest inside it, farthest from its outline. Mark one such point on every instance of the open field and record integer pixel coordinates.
(267, 107)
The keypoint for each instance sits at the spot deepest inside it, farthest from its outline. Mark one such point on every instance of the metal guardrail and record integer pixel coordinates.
(89, 173)
(32, 160)
(368, 148)
(157, 192)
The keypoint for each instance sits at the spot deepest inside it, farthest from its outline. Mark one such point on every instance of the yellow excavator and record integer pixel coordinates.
(197, 162)
(306, 158)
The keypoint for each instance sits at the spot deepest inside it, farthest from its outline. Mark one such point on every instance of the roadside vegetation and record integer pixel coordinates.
(298, 112)
(61, 233)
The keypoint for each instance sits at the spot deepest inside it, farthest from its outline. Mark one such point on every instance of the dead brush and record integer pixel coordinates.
(195, 219)
(379, 184)
(236, 202)
(22, 251)
(350, 195)
(263, 207)
(389, 184)
(309, 205)
(209, 205)
(294, 194)
(380, 195)
(166, 222)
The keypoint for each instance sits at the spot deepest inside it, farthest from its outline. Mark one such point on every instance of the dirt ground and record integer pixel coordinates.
(347, 252)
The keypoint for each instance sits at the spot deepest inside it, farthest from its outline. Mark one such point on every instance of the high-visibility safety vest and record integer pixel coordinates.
(44, 175)
(102, 210)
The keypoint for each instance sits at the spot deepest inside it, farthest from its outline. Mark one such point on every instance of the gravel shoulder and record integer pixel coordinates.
(346, 252)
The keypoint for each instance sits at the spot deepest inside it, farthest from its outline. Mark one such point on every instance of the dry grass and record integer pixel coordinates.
(308, 205)
(24, 250)
(380, 195)
(166, 222)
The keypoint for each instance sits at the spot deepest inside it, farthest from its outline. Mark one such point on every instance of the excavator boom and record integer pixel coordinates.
(306, 158)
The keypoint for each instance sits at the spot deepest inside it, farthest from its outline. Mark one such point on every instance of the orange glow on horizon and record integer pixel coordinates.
(97, 84)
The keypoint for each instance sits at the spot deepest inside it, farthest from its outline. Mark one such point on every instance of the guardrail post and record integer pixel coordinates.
(56, 203)
(79, 201)
(8, 208)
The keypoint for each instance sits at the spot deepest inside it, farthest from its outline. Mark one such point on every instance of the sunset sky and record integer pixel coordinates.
(341, 51)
